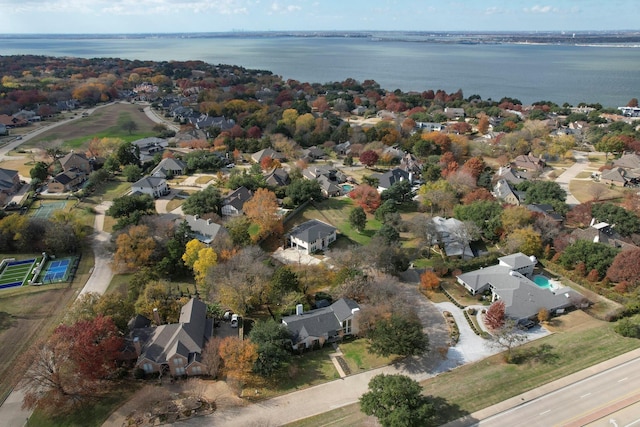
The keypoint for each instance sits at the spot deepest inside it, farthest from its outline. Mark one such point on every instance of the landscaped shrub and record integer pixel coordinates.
(628, 328)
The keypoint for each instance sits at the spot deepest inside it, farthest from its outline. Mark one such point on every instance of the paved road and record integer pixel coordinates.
(594, 396)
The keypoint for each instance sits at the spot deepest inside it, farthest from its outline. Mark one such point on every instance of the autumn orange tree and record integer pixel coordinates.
(134, 248)
(429, 281)
(238, 357)
(366, 197)
(262, 209)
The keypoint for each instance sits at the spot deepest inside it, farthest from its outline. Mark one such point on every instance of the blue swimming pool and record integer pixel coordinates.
(347, 187)
(542, 281)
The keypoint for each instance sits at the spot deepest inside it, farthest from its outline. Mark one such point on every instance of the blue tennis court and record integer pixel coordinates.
(56, 271)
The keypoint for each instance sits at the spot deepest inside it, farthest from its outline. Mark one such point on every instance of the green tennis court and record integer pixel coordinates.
(46, 209)
(15, 273)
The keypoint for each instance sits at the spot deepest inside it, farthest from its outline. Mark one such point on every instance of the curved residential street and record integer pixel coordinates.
(581, 164)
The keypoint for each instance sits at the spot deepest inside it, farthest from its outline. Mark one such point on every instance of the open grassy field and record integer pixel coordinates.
(104, 122)
(578, 341)
(587, 190)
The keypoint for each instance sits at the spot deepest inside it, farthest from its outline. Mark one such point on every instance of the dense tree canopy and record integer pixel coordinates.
(399, 334)
(397, 401)
(274, 342)
(203, 202)
(624, 221)
(595, 256)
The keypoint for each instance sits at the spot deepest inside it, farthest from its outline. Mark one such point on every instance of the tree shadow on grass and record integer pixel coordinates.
(6, 320)
(446, 412)
(542, 354)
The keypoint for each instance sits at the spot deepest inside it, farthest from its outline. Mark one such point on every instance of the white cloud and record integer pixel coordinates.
(279, 8)
(540, 9)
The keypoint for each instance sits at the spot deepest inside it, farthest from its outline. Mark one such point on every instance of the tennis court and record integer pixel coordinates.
(56, 271)
(15, 273)
(46, 209)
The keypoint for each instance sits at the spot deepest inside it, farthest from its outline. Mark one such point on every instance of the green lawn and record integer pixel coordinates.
(357, 356)
(306, 370)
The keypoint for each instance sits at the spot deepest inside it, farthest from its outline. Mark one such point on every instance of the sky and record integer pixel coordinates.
(183, 16)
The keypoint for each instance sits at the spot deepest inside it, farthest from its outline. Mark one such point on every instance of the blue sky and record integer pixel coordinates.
(169, 16)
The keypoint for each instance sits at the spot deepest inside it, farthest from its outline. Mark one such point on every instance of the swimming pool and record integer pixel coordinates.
(546, 283)
(347, 187)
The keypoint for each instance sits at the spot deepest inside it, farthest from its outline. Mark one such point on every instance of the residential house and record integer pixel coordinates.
(267, 152)
(502, 190)
(511, 175)
(601, 232)
(329, 179)
(175, 348)
(66, 181)
(76, 162)
(546, 210)
(312, 154)
(312, 236)
(278, 177)
(429, 126)
(411, 164)
(204, 230)
(232, 204)
(616, 176)
(512, 282)
(150, 146)
(204, 121)
(9, 184)
(454, 113)
(152, 185)
(169, 167)
(324, 325)
(387, 179)
(12, 122)
(529, 162)
(630, 162)
(452, 237)
(3, 130)
(343, 148)
(27, 115)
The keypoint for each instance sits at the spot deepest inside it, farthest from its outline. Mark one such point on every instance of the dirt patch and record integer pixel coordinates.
(575, 321)
(169, 402)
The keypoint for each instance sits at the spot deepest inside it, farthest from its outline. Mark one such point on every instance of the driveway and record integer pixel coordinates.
(582, 163)
(102, 273)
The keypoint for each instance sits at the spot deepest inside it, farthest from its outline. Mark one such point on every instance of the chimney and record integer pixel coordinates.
(137, 346)
(156, 317)
(299, 309)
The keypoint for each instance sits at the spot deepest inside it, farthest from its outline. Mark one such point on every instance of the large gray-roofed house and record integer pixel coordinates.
(176, 347)
(204, 230)
(327, 324)
(312, 236)
(234, 202)
(267, 152)
(511, 282)
(449, 236)
(169, 167)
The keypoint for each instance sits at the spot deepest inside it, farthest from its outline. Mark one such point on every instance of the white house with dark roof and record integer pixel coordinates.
(328, 324)
(151, 185)
(512, 282)
(312, 236)
(232, 204)
(177, 347)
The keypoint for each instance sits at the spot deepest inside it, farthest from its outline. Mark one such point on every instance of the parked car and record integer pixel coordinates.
(231, 165)
(234, 320)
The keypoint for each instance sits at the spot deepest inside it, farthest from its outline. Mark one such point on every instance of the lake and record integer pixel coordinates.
(529, 72)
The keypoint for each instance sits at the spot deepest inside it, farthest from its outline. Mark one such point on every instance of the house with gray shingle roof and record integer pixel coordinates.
(503, 191)
(512, 282)
(176, 347)
(312, 236)
(267, 152)
(151, 185)
(232, 204)
(204, 230)
(278, 177)
(169, 167)
(328, 324)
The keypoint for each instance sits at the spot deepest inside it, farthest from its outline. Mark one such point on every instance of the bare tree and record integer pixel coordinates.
(507, 338)
(211, 357)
